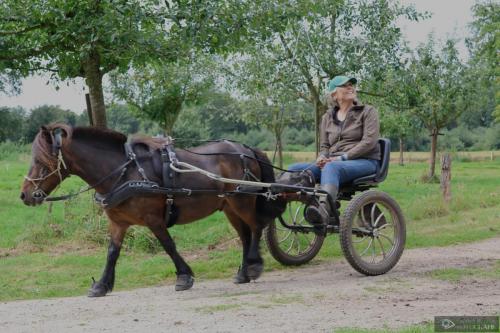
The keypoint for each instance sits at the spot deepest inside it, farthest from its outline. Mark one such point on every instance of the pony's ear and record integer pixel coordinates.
(45, 132)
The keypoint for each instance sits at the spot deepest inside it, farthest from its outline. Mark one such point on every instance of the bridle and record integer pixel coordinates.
(62, 171)
(38, 192)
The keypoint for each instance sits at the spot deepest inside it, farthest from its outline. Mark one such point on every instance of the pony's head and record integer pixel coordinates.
(47, 169)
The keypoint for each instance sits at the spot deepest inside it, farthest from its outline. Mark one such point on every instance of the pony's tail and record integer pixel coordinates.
(267, 209)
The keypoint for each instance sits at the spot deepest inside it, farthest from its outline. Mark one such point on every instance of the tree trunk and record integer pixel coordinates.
(401, 149)
(279, 148)
(432, 162)
(319, 109)
(93, 79)
(171, 114)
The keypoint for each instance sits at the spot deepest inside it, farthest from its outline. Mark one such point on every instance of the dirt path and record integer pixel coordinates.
(317, 298)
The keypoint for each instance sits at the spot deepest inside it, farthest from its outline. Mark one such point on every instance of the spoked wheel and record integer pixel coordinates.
(372, 233)
(293, 247)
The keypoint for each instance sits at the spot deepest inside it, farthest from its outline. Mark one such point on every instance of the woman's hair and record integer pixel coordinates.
(331, 103)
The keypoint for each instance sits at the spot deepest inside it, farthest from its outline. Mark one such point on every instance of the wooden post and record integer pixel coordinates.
(446, 176)
(89, 109)
(401, 149)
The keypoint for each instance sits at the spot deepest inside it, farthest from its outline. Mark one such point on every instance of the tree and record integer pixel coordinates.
(272, 103)
(78, 39)
(159, 91)
(83, 38)
(434, 89)
(12, 121)
(44, 115)
(312, 41)
(483, 46)
(396, 123)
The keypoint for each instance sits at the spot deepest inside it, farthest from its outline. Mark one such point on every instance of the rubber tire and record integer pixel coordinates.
(285, 258)
(346, 235)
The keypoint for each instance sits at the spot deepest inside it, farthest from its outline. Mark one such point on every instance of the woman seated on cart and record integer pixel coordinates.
(349, 136)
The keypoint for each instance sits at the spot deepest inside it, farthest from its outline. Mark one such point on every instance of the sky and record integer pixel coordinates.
(449, 19)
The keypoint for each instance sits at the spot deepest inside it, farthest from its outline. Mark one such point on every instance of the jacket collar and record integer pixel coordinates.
(358, 106)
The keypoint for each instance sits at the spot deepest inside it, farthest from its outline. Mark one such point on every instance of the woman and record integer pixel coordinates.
(349, 136)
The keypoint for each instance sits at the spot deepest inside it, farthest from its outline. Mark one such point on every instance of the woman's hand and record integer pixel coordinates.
(321, 161)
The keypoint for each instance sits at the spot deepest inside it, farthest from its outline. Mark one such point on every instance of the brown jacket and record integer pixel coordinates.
(357, 136)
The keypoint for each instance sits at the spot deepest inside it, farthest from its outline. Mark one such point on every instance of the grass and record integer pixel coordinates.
(50, 251)
(427, 328)
(409, 157)
(490, 271)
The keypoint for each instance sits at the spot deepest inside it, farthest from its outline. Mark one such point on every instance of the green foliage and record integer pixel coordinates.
(462, 138)
(89, 39)
(158, 92)
(484, 45)
(11, 123)
(44, 115)
(300, 44)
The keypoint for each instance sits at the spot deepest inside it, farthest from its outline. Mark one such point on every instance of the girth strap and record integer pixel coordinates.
(167, 158)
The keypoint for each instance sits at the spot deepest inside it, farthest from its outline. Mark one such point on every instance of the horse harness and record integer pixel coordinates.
(134, 188)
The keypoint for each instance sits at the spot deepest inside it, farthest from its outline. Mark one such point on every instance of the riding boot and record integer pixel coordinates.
(321, 214)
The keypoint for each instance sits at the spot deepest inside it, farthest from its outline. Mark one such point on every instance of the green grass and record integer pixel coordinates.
(55, 253)
(428, 328)
(490, 271)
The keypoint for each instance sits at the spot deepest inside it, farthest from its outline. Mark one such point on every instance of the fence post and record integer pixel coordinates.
(446, 176)
(89, 109)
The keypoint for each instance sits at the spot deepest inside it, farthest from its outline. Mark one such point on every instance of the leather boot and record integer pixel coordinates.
(321, 214)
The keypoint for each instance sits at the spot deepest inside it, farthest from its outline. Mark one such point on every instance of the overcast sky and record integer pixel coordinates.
(449, 19)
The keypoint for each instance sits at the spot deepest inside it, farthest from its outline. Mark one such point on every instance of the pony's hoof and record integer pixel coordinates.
(254, 271)
(241, 277)
(184, 282)
(97, 290)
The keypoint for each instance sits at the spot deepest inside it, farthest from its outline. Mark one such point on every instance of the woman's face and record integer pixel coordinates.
(345, 93)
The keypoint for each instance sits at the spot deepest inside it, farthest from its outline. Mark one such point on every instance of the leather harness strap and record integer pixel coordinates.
(167, 158)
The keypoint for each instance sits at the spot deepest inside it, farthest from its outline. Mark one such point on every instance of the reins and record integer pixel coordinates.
(176, 165)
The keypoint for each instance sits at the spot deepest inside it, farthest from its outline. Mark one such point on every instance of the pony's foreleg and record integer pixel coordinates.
(246, 237)
(107, 280)
(184, 273)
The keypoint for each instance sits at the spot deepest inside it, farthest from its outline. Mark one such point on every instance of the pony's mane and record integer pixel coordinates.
(98, 134)
(42, 144)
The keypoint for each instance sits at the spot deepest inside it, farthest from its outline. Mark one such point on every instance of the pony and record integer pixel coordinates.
(99, 157)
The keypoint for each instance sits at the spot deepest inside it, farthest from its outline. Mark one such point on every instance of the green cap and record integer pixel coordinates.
(340, 80)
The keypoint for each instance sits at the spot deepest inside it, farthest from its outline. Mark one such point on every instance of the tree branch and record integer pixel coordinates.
(26, 53)
(18, 32)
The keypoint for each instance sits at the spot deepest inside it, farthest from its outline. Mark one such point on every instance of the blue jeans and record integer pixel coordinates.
(339, 172)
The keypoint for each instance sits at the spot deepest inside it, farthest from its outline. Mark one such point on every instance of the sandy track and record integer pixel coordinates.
(317, 298)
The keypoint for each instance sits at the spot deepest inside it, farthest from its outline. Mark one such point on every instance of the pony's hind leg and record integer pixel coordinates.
(255, 261)
(245, 235)
(107, 280)
(184, 273)
(252, 229)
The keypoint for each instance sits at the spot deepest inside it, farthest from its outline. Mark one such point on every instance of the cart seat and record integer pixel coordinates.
(379, 176)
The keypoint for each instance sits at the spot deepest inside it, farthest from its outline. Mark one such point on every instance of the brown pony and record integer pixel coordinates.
(94, 155)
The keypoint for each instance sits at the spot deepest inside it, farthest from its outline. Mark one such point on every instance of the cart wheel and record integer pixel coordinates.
(372, 232)
(292, 247)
